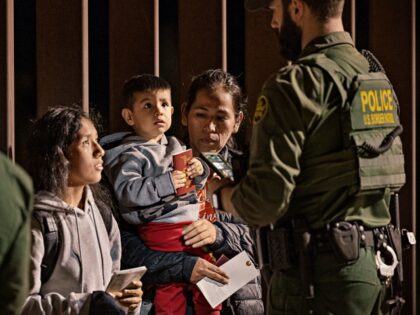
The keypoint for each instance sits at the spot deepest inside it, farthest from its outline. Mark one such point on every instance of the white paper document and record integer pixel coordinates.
(240, 270)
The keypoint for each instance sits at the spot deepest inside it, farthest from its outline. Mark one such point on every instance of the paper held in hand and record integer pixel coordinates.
(122, 278)
(240, 270)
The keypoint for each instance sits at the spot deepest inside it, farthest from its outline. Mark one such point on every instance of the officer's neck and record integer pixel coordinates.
(313, 28)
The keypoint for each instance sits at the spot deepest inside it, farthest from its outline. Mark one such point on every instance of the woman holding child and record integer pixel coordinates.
(212, 114)
(65, 164)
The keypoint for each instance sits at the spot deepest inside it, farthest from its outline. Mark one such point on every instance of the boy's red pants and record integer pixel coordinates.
(171, 298)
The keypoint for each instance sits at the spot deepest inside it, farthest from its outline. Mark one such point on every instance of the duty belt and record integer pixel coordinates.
(322, 238)
(342, 238)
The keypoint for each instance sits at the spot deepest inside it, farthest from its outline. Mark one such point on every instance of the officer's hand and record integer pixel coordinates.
(216, 183)
(203, 268)
(200, 233)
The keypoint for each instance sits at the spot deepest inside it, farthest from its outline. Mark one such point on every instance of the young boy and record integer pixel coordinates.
(139, 167)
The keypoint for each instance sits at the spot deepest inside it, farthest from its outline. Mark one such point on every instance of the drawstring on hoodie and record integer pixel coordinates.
(80, 247)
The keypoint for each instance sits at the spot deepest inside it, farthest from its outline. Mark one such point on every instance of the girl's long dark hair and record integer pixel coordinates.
(47, 150)
(48, 145)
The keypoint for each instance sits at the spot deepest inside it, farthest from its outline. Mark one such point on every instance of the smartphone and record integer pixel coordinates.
(122, 278)
(218, 164)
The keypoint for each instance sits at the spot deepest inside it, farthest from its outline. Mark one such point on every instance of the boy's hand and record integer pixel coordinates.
(179, 178)
(130, 296)
(195, 168)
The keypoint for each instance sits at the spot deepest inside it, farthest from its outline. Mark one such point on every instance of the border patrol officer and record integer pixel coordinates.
(16, 200)
(325, 161)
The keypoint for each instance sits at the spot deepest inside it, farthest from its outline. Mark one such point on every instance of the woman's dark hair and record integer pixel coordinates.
(211, 80)
(48, 145)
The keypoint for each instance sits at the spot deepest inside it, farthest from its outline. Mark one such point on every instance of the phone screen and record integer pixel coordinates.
(218, 164)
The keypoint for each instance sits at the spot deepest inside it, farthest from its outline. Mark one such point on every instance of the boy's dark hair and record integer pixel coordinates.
(141, 83)
(48, 145)
(323, 9)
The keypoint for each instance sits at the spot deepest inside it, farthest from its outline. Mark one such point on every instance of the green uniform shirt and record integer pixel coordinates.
(297, 125)
(16, 198)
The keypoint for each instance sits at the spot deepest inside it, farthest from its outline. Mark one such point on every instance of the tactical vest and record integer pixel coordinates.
(372, 156)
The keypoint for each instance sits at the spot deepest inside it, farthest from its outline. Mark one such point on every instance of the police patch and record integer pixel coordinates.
(261, 110)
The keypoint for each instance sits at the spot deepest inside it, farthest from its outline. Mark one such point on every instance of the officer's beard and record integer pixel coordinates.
(290, 38)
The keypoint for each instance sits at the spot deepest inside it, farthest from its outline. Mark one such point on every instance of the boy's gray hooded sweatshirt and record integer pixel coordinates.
(139, 172)
(88, 257)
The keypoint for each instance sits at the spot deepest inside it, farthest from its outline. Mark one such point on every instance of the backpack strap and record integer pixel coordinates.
(51, 238)
(107, 218)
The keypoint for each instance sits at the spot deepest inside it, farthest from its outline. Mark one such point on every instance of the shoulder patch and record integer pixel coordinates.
(261, 109)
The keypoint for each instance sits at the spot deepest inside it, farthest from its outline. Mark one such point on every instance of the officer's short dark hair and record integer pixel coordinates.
(142, 83)
(323, 9)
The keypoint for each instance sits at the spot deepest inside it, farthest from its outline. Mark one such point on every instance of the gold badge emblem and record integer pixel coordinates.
(261, 110)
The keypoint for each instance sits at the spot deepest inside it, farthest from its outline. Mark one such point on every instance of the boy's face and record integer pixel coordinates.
(151, 114)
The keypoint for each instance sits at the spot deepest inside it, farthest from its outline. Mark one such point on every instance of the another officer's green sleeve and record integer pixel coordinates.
(263, 196)
(16, 198)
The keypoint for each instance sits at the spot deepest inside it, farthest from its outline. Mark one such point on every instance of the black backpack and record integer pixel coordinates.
(52, 242)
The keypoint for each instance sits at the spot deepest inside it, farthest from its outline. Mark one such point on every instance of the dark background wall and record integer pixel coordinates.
(48, 61)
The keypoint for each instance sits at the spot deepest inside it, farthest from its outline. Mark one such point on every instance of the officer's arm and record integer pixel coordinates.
(263, 195)
(226, 199)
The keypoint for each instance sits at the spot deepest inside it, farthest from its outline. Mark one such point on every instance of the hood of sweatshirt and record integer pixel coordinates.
(117, 143)
(47, 201)
(88, 254)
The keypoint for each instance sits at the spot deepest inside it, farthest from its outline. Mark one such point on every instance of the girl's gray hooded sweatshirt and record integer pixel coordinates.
(88, 257)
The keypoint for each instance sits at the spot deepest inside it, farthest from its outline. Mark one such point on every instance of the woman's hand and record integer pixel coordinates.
(203, 268)
(179, 179)
(130, 296)
(195, 168)
(199, 233)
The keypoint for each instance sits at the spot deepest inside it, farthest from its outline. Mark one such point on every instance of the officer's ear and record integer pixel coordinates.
(296, 8)
(238, 121)
(184, 114)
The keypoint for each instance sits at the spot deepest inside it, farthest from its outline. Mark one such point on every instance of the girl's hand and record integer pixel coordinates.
(179, 179)
(130, 296)
(195, 168)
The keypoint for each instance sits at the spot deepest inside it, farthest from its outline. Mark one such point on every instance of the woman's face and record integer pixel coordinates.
(211, 120)
(85, 157)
